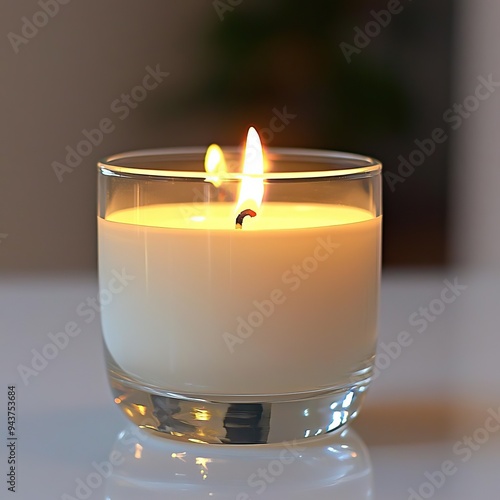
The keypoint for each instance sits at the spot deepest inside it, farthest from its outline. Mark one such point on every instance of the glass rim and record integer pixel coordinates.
(366, 167)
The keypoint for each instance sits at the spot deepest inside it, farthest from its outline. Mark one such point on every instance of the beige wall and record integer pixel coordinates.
(475, 188)
(62, 81)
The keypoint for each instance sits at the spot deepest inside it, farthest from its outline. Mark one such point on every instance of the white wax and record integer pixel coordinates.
(287, 304)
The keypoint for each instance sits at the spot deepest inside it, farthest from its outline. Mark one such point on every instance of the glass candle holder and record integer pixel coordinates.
(225, 329)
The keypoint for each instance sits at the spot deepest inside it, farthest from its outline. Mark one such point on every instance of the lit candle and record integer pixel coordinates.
(286, 304)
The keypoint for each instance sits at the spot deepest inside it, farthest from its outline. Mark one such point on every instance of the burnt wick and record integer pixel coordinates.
(239, 219)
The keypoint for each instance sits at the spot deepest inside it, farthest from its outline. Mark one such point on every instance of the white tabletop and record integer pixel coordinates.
(430, 419)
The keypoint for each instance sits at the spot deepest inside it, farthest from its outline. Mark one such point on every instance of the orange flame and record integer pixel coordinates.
(252, 187)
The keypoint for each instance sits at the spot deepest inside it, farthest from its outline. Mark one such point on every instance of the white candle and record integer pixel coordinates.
(286, 305)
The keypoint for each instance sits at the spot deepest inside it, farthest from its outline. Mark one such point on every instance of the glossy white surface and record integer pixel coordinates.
(436, 392)
(151, 468)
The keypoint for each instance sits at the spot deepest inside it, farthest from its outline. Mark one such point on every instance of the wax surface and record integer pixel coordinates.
(223, 311)
(271, 216)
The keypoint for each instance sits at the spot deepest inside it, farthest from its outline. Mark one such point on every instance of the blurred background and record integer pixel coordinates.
(412, 83)
(336, 76)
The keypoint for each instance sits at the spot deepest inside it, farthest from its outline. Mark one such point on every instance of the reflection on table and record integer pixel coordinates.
(150, 467)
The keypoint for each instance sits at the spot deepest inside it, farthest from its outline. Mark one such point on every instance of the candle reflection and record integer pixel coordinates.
(335, 466)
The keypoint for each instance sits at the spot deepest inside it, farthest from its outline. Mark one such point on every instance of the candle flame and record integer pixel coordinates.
(252, 188)
(215, 165)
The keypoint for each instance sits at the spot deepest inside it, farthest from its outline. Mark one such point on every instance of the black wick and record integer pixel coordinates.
(239, 219)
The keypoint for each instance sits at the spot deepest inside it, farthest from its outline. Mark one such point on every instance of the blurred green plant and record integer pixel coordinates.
(270, 54)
